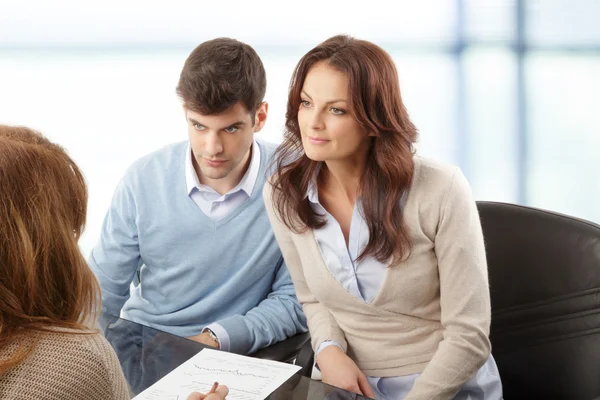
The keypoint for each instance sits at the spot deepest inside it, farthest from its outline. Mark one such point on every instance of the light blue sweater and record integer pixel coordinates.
(193, 270)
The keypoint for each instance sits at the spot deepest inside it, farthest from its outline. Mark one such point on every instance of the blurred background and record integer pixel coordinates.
(509, 90)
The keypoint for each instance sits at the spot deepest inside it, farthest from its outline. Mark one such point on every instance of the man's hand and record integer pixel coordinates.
(205, 338)
(337, 369)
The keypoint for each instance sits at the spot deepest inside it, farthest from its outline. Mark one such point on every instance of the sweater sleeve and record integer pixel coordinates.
(279, 312)
(321, 324)
(118, 385)
(116, 257)
(100, 374)
(464, 297)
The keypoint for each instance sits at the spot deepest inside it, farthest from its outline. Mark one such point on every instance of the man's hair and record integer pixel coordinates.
(218, 74)
(44, 280)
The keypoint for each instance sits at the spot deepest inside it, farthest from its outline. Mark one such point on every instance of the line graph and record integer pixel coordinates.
(234, 372)
(247, 378)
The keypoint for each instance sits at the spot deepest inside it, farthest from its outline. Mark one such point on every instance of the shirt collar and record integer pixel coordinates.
(247, 183)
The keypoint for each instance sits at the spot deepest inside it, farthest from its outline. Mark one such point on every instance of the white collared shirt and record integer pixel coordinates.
(212, 204)
(361, 278)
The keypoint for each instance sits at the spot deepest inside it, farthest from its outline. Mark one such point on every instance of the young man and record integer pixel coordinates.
(189, 221)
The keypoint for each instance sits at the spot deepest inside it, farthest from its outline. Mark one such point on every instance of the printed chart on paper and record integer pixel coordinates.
(247, 378)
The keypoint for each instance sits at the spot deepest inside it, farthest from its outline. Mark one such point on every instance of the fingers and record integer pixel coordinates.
(350, 386)
(220, 394)
(222, 391)
(364, 386)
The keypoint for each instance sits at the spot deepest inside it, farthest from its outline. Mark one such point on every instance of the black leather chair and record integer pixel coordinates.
(544, 271)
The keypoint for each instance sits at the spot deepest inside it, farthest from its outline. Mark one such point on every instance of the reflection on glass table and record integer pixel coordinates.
(147, 355)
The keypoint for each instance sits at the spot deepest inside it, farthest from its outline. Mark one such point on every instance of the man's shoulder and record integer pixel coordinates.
(164, 155)
(159, 162)
(267, 148)
(268, 152)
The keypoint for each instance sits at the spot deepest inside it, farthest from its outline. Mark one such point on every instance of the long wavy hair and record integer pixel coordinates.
(44, 280)
(376, 104)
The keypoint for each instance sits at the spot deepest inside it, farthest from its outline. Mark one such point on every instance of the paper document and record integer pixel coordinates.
(247, 378)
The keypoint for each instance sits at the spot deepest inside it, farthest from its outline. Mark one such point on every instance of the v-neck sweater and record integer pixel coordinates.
(193, 271)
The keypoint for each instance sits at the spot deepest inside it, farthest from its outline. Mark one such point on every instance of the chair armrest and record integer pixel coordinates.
(284, 351)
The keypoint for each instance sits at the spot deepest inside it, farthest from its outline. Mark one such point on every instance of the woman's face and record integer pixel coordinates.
(329, 131)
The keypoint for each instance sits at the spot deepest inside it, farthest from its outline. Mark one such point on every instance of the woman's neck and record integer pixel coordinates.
(342, 178)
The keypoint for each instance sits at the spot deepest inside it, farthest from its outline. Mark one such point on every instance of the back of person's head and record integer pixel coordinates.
(44, 280)
(218, 74)
(376, 104)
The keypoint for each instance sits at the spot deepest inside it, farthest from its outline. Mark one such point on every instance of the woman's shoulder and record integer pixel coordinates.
(433, 175)
(267, 190)
(74, 343)
(68, 362)
(437, 183)
(429, 168)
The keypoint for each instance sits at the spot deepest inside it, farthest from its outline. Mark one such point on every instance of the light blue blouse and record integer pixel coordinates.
(363, 279)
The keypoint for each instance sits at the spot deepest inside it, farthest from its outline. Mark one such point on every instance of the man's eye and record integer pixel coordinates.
(199, 127)
(231, 129)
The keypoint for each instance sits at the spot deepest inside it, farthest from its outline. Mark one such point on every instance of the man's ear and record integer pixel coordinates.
(260, 117)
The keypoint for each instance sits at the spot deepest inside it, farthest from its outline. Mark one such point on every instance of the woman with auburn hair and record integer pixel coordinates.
(385, 247)
(48, 294)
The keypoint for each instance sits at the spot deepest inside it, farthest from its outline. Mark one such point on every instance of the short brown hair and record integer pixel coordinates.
(218, 74)
(44, 280)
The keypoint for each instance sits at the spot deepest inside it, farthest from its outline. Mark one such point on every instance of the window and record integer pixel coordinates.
(506, 89)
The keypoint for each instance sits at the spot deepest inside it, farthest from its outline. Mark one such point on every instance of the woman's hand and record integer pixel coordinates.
(219, 394)
(337, 369)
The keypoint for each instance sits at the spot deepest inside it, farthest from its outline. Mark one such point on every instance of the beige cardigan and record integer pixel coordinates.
(432, 313)
(67, 367)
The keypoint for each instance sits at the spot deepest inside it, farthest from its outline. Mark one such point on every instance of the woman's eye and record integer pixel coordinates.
(305, 103)
(336, 111)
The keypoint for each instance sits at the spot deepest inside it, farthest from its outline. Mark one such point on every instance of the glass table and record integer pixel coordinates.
(146, 355)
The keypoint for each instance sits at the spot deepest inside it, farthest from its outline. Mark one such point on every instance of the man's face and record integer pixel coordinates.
(221, 143)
